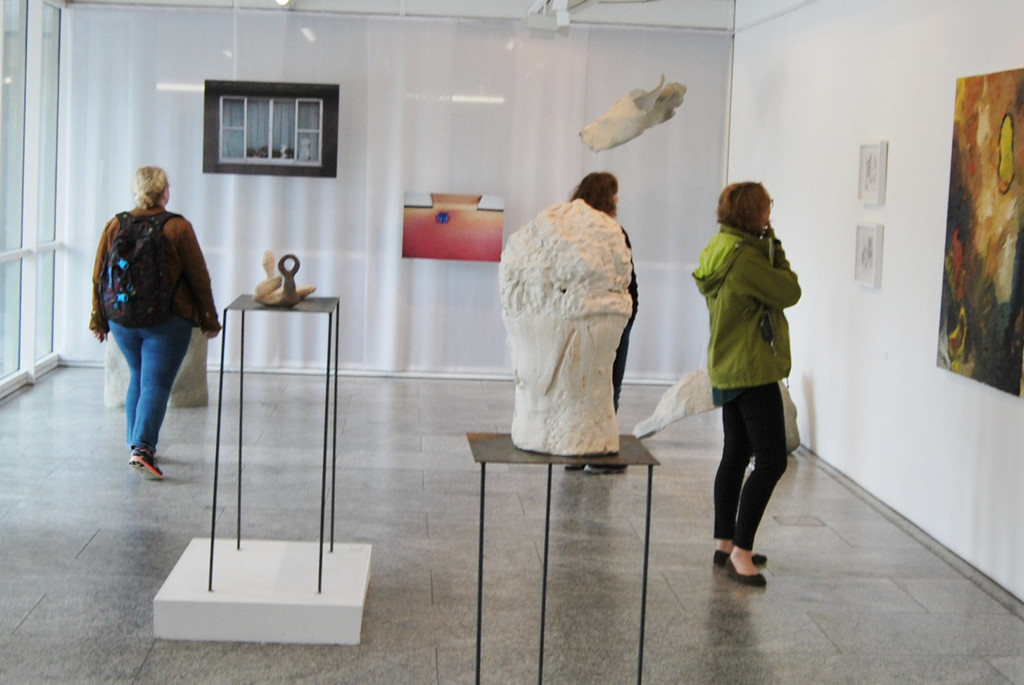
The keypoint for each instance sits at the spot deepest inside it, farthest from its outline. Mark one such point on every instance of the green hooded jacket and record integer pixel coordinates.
(739, 276)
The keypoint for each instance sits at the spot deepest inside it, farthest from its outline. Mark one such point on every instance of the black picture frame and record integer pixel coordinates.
(328, 94)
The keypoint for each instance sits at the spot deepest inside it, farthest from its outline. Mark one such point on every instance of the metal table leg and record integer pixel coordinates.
(480, 572)
(643, 592)
(241, 404)
(544, 581)
(216, 450)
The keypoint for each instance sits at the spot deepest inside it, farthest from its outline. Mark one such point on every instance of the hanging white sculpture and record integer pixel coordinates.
(632, 114)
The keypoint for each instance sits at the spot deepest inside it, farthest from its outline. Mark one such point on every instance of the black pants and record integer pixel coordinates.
(619, 365)
(755, 425)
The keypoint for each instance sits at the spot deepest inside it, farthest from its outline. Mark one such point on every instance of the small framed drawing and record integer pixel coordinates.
(873, 159)
(868, 269)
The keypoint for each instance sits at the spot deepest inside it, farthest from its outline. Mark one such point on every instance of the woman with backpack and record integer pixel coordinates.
(150, 289)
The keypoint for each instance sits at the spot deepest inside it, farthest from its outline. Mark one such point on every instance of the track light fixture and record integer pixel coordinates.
(545, 18)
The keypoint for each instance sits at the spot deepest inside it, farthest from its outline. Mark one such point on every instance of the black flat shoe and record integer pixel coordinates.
(756, 580)
(721, 557)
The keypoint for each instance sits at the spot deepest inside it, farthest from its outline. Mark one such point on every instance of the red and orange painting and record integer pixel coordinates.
(981, 331)
(450, 226)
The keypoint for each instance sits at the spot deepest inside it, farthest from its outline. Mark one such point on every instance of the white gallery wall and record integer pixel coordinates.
(133, 96)
(812, 82)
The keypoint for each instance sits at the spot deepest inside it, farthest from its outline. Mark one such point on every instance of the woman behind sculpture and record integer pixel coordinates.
(600, 190)
(154, 353)
(747, 356)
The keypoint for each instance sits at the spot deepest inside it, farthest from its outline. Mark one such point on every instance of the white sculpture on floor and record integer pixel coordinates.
(692, 395)
(190, 388)
(632, 114)
(280, 290)
(564, 280)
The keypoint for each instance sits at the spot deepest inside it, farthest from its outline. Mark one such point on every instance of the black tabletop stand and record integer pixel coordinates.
(310, 305)
(498, 448)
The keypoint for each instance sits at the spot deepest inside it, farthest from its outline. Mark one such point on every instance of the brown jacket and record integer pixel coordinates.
(193, 299)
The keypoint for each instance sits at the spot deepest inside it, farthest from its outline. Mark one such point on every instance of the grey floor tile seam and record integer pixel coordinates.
(421, 513)
(28, 613)
(966, 570)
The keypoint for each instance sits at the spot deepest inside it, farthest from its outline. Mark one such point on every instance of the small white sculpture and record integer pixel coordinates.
(280, 290)
(564, 280)
(633, 114)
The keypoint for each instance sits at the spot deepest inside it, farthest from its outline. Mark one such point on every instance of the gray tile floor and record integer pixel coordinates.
(854, 594)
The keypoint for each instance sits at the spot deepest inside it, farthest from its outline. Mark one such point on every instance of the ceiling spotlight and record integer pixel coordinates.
(282, 3)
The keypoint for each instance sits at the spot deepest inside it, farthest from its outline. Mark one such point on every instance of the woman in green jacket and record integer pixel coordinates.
(745, 278)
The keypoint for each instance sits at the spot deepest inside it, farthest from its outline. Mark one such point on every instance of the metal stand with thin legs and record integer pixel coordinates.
(498, 448)
(310, 305)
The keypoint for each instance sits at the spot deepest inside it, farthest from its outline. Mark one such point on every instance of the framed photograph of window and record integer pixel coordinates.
(283, 129)
(873, 162)
(868, 269)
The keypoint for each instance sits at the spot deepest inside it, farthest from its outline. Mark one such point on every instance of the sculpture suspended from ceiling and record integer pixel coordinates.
(632, 114)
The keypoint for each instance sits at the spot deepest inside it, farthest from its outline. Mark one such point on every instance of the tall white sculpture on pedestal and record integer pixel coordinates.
(564, 281)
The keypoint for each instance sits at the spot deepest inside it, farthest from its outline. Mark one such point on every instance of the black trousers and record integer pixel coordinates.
(619, 365)
(755, 426)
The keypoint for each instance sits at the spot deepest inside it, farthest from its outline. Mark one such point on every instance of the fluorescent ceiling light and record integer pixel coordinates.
(461, 99)
(181, 87)
(479, 99)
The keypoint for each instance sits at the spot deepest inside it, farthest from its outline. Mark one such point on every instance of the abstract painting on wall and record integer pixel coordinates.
(451, 226)
(981, 331)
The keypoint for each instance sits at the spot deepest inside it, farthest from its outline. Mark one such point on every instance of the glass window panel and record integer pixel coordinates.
(10, 316)
(232, 145)
(12, 121)
(50, 69)
(284, 129)
(257, 128)
(44, 304)
(232, 113)
(309, 114)
(308, 147)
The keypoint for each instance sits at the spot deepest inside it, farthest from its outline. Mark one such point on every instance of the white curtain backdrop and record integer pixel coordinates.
(458, 106)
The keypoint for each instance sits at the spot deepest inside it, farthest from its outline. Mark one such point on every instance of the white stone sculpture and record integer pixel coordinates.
(564, 280)
(280, 290)
(632, 114)
(190, 388)
(692, 395)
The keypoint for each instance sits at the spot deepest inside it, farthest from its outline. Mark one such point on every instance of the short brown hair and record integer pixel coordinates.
(598, 190)
(740, 206)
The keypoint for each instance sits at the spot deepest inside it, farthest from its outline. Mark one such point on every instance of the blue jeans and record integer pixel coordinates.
(154, 355)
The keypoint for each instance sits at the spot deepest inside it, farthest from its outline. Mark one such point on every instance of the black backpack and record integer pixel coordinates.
(136, 291)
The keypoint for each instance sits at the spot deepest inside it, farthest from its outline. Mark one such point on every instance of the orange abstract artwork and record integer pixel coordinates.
(450, 226)
(981, 331)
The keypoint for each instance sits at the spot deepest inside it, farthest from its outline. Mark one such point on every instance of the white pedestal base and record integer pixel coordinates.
(264, 592)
